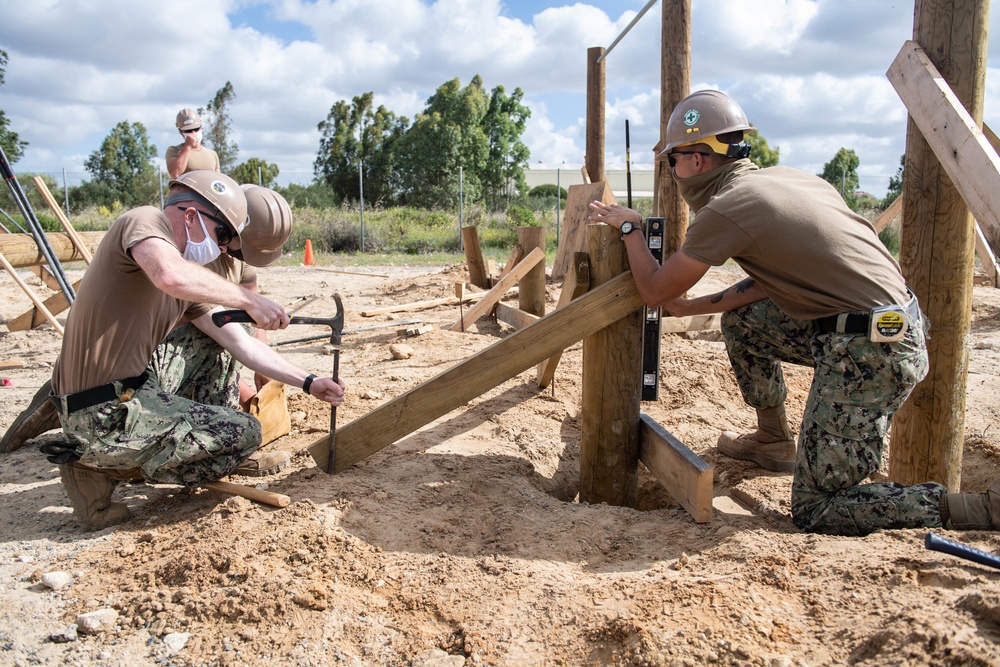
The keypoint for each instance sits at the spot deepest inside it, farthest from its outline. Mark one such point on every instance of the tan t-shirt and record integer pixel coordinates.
(793, 233)
(198, 158)
(119, 316)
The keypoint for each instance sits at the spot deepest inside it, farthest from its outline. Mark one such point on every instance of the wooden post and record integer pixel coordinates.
(936, 256)
(595, 115)
(675, 83)
(531, 288)
(612, 369)
(474, 258)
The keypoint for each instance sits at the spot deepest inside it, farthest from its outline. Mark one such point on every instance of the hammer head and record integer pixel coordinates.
(337, 324)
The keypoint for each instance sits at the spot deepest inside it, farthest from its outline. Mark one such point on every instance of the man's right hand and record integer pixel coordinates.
(267, 314)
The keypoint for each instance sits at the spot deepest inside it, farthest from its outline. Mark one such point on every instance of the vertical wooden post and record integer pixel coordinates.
(531, 288)
(938, 241)
(675, 83)
(612, 369)
(595, 115)
(474, 258)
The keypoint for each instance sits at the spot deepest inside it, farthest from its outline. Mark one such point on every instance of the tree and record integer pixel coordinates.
(123, 166)
(256, 171)
(896, 183)
(218, 127)
(12, 145)
(508, 156)
(762, 155)
(842, 173)
(355, 137)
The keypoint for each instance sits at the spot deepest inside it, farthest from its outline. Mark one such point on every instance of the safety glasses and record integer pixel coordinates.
(223, 232)
(672, 157)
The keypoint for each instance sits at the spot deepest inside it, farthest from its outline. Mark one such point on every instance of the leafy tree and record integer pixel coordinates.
(256, 171)
(123, 166)
(218, 127)
(762, 155)
(508, 155)
(842, 173)
(355, 137)
(896, 183)
(12, 145)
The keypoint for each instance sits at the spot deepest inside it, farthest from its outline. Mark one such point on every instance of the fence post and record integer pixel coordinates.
(558, 203)
(361, 200)
(159, 182)
(66, 193)
(461, 245)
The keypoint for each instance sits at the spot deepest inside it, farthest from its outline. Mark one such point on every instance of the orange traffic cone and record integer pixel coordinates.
(308, 260)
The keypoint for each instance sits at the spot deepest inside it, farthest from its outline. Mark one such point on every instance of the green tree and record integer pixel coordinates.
(842, 173)
(762, 155)
(123, 166)
(256, 171)
(895, 183)
(13, 146)
(508, 156)
(355, 137)
(219, 126)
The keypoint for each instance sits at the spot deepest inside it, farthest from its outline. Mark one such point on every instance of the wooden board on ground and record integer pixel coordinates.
(684, 474)
(419, 305)
(493, 297)
(573, 237)
(515, 317)
(478, 374)
(576, 284)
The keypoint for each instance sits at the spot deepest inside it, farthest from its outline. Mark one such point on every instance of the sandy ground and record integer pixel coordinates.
(463, 544)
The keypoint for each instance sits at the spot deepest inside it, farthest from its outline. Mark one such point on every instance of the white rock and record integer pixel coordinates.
(57, 580)
(94, 622)
(400, 351)
(176, 641)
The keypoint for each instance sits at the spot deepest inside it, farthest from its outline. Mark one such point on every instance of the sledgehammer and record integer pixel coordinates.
(336, 324)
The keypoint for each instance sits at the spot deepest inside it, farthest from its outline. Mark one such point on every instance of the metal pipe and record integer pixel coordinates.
(625, 31)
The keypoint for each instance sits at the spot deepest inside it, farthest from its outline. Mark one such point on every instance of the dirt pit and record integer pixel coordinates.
(463, 543)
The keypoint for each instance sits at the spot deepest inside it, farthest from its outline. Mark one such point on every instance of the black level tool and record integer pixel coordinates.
(652, 319)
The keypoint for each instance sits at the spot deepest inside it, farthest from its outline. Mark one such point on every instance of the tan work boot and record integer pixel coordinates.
(771, 447)
(90, 490)
(40, 416)
(972, 511)
(261, 464)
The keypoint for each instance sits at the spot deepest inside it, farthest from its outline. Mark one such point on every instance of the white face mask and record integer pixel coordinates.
(205, 252)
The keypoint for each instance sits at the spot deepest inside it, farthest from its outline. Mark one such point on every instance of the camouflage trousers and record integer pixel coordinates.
(183, 426)
(857, 387)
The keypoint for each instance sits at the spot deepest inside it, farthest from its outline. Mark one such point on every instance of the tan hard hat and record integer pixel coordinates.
(702, 116)
(220, 192)
(187, 119)
(269, 225)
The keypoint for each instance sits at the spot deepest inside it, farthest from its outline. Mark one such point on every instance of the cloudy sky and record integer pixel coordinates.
(809, 73)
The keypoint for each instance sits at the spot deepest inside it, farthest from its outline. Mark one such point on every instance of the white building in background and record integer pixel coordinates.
(565, 176)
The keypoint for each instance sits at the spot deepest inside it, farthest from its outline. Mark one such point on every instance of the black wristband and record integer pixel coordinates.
(308, 382)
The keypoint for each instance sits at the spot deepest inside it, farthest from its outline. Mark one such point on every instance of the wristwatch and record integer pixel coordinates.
(628, 227)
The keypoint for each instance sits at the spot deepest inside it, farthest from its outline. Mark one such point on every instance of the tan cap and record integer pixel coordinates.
(187, 119)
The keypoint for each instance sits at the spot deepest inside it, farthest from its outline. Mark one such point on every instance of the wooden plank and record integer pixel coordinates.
(575, 219)
(887, 216)
(493, 297)
(420, 305)
(63, 220)
(31, 295)
(515, 317)
(516, 255)
(577, 283)
(30, 319)
(956, 139)
(478, 374)
(691, 323)
(986, 257)
(684, 474)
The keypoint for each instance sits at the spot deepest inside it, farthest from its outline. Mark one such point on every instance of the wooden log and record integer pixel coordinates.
(612, 384)
(485, 304)
(478, 275)
(22, 251)
(39, 304)
(250, 493)
(575, 219)
(515, 317)
(63, 220)
(577, 282)
(684, 474)
(420, 305)
(937, 238)
(531, 286)
(34, 317)
(478, 374)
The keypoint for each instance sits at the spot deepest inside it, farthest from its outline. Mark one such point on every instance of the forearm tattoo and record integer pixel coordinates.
(740, 287)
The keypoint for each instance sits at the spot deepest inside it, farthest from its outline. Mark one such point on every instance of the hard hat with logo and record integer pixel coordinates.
(187, 119)
(701, 117)
(217, 191)
(268, 227)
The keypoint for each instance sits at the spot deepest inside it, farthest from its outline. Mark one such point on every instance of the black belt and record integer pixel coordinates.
(857, 322)
(103, 394)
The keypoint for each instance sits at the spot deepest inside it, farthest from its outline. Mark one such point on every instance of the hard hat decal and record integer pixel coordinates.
(218, 187)
(691, 117)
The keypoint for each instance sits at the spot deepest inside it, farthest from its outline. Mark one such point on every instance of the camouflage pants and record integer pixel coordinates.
(857, 386)
(183, 426)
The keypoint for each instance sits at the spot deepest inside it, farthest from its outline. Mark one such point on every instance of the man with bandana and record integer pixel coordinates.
(823, 292)
(192, 154)
(147, 273)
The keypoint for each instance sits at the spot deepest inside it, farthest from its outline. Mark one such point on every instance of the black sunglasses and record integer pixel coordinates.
(190, 131)
(673, 160)
(223, 232)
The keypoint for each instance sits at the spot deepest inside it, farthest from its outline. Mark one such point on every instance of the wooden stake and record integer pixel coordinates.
(419, 305)
(63, 220)
(474, 258)
(250, 493)
(531, 288)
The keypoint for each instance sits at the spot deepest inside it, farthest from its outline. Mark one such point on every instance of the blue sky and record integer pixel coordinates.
(809, 73)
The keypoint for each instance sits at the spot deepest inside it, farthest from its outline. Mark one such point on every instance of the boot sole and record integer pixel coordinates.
(772, 465)
(40, 416)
